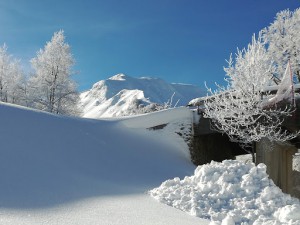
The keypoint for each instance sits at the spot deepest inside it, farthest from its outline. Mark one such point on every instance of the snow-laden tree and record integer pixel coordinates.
(51, 87)
(11, 79)
(283, 41)
(16, 85)
(240, 109)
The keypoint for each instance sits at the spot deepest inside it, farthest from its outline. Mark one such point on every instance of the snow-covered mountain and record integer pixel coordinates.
(124, 95)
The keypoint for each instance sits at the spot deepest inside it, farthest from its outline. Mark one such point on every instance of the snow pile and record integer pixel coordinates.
(232, 192)
(122, 95)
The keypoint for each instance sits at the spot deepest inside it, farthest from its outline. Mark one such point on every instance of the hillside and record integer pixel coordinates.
(124, 95)
(60, 170)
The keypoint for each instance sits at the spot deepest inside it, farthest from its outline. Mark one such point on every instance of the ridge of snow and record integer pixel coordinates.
(106, 97)
(63, 170)
(157, 118)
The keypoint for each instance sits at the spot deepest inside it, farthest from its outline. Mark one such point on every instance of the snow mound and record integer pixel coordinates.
(63, 170)
(230, 192)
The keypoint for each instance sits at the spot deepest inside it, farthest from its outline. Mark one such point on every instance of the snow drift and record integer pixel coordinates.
(61, 170)
(124, 95)
(232, 192)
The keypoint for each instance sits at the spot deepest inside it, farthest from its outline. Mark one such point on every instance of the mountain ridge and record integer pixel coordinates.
(122, 95)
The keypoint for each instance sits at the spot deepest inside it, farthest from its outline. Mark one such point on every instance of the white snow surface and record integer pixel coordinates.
(72, 171)
(121, 95)
(62, 170)
(230, 193)
(158, 118)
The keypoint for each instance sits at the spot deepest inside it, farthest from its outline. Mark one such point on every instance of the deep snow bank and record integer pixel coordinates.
(47, 160)
(60, 170)
(231, 191)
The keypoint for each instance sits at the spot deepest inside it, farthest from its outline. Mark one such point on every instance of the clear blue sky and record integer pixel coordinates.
(184, 41)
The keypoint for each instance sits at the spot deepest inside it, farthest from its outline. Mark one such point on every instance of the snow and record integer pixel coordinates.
(157, 118)
(228, 193)
(121, 95)
(62, 170)
(124, 102)
(200, 100)
(228, 221)
(119, 76)
(275, 87)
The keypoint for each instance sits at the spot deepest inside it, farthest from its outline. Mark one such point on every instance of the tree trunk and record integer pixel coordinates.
(53, 89)
(253, 150)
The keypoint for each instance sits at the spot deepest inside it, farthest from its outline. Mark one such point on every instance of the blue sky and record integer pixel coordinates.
(185, 41)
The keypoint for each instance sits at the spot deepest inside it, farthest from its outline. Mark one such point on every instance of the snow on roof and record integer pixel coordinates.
(200, 101)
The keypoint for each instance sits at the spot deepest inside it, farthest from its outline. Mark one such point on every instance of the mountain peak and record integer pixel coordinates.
(124, 95)
(119, 76)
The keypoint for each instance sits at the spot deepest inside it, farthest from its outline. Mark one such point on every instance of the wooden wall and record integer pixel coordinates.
(208, 145)
(279, 160)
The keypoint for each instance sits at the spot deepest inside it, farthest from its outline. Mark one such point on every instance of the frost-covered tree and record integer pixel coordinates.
(11, 79)
(141, 108)
(283, 41)
(240, 109)
(51, 87)
(16, 85)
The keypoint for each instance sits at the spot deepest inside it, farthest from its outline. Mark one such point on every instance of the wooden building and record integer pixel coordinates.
(282, 159)
(208, 145)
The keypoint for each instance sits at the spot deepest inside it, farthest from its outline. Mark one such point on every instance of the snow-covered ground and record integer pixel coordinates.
(60, 170)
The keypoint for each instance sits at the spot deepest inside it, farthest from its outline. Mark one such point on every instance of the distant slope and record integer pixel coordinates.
(124, 95)
(60, 170)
